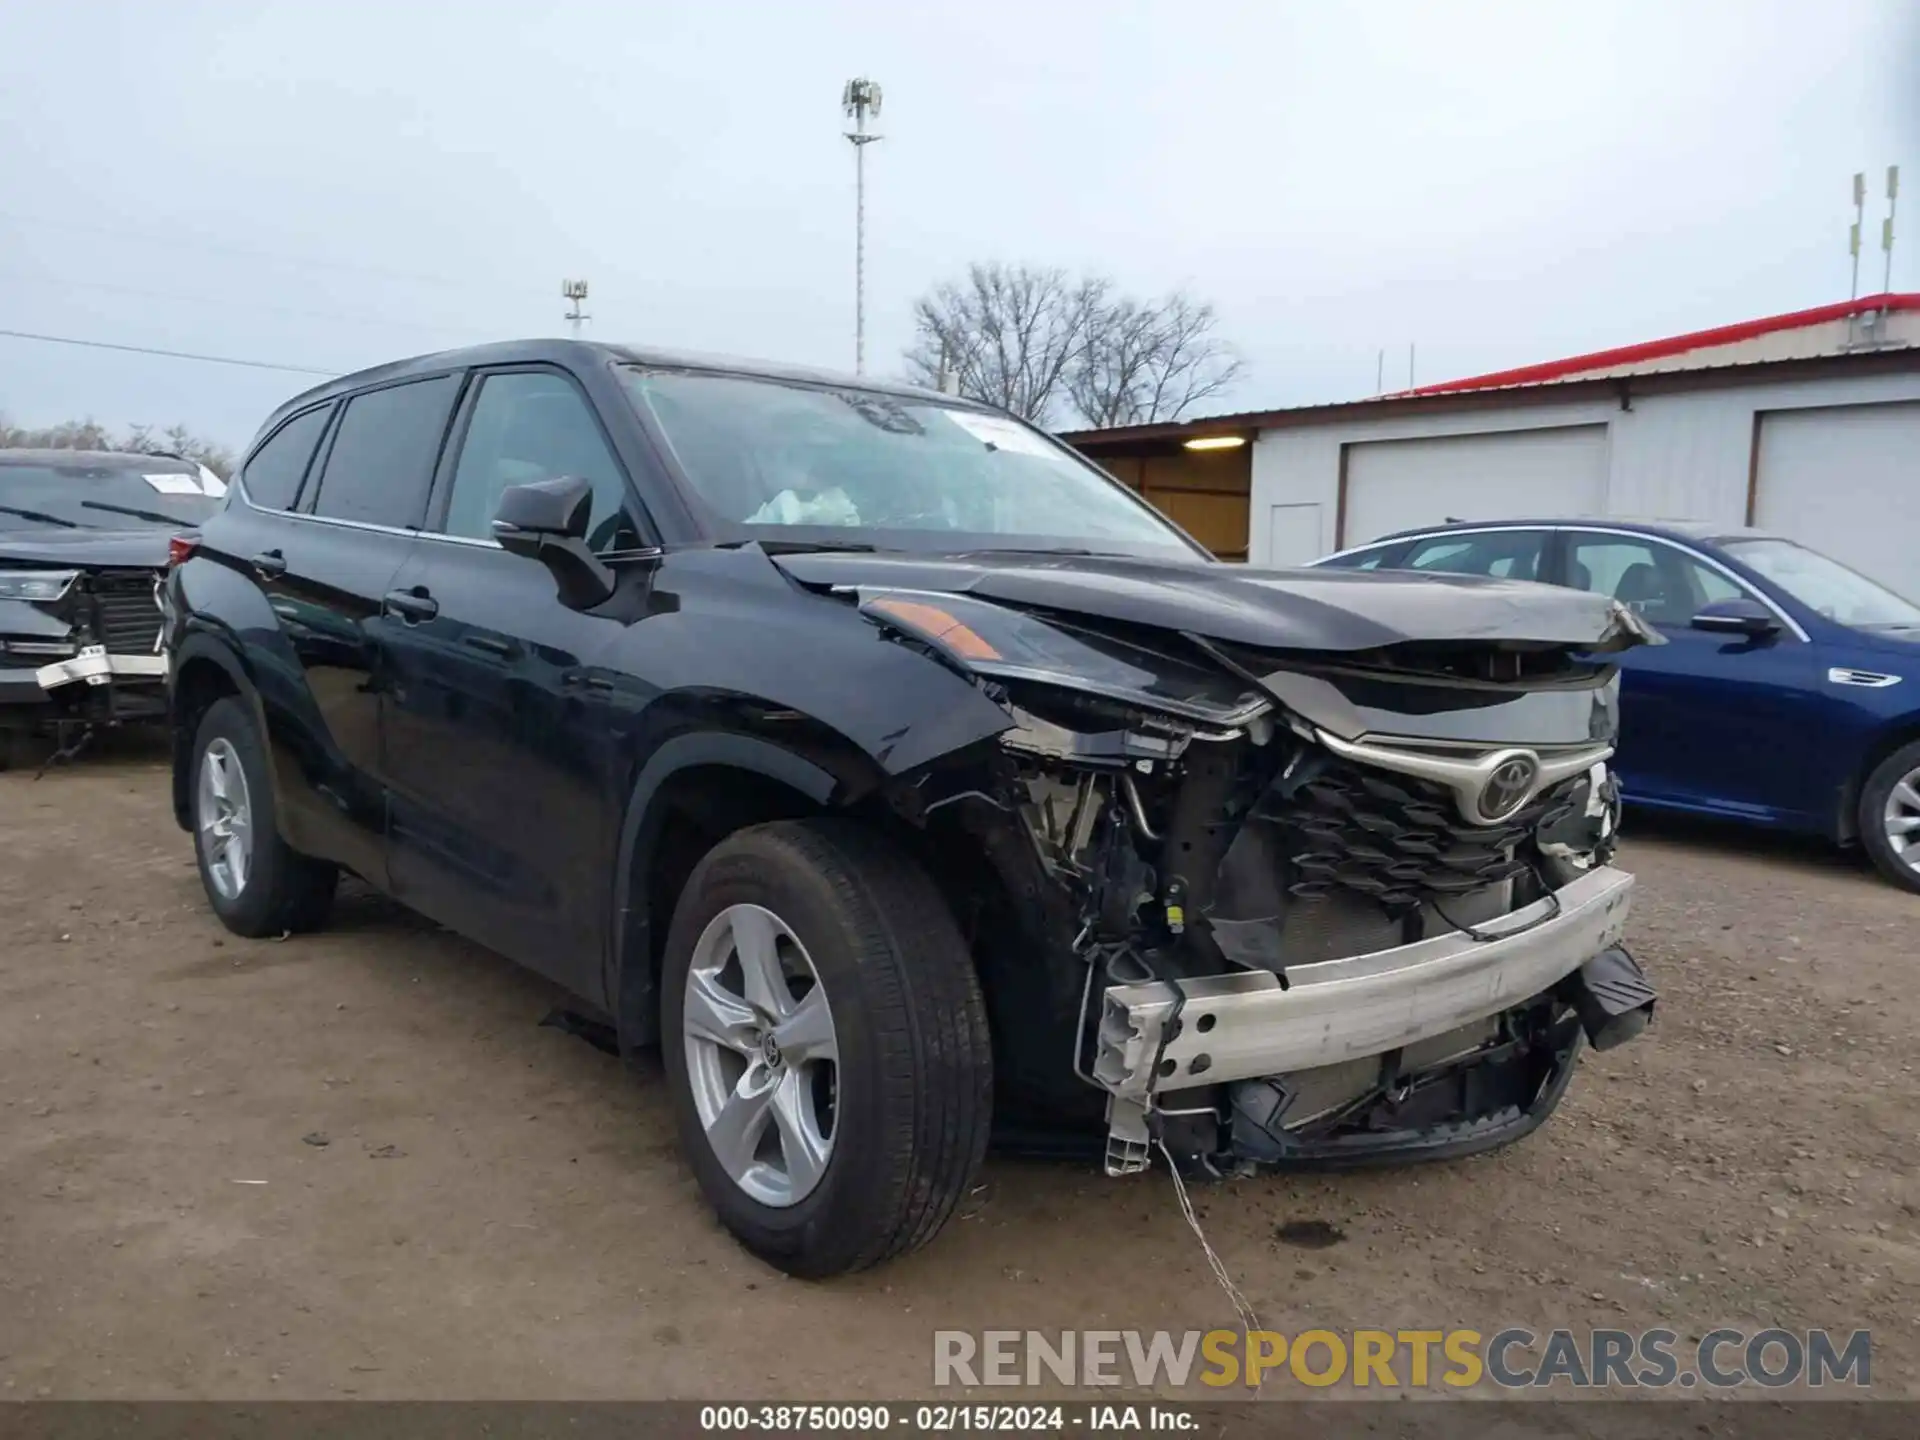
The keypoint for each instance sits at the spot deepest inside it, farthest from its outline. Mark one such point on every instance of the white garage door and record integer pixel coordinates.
(1516, 474)
(1846, 480)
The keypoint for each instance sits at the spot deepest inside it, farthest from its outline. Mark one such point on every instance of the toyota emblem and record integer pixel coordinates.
(1509, 787)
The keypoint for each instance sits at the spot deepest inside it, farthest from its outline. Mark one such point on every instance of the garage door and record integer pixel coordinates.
(1394, 484)
(1847, 481)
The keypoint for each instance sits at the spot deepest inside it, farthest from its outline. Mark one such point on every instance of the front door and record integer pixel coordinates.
(1709, 722)
(501, 721)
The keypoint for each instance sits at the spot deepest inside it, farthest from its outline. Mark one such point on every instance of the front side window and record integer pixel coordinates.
(381, 461)
(771, 459)
(273, 475)
(83, 494)
(1666, 586)
(534, 425)
(1505, 554)
(1825, 585)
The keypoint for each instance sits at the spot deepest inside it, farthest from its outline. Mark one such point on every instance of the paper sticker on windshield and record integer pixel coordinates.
(212, 483)
(1002, 433)
(174, 484)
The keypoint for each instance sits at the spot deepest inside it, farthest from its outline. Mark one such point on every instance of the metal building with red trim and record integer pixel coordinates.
(1807, 423)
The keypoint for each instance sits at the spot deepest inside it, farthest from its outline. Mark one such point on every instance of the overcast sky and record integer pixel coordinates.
(332, 185)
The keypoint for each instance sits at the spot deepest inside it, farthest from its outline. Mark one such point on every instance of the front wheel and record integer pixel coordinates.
(826, 1045)
(257, 884)
(1890, 816)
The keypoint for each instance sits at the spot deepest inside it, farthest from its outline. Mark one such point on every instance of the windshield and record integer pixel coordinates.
(1825, 585)
(85, 495)
(781, 461)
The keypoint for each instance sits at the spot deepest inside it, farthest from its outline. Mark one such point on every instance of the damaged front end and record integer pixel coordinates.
(1272, 906)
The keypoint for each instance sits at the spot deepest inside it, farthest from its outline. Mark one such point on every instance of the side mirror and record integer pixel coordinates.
(1737, 617)
(547, 521)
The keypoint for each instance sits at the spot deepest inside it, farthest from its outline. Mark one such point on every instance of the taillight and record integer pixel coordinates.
(180, 548)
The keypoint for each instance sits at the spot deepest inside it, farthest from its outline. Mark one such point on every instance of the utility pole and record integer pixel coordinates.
(1886, 227)
(859, 100)
(574, 291)
(1853, 235)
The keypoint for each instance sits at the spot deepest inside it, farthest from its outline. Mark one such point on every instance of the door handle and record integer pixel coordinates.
(586, 680)
(492, 645)
(411, 606)
(269, 564)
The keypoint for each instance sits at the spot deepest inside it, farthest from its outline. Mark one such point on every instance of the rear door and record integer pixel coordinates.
(500, 727)
(326, 565)
(1710, 722)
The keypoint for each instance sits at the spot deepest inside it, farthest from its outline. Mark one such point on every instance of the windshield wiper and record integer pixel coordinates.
(796, 547)
(43, 518)
(153, 515)
(1046, 550)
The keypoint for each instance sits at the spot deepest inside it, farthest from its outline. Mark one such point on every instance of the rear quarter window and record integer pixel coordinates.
(273, 475)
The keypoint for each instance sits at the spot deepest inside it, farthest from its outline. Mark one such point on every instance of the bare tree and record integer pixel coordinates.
(1032, 339)
(1011, 334)
(90, 434)
(1150, 362)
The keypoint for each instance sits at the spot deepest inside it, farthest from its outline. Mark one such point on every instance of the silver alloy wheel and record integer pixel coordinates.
(1903, 820)
(761, 1054)
(224, 814)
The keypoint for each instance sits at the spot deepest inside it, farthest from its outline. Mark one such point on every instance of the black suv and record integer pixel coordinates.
(904, 777)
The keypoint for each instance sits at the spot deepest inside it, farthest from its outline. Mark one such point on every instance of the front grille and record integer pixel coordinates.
(126, 617)
(1397, 839)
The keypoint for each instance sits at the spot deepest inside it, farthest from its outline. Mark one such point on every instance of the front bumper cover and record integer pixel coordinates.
(1164, 1036)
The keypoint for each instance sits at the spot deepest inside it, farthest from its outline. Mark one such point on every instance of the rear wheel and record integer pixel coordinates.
(257, 884)
(1890, 816)
(826, 1045)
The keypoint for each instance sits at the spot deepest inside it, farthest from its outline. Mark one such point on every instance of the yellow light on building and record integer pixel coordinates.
(1216, 442)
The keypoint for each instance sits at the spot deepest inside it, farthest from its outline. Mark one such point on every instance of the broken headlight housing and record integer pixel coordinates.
(38, 586)
(1014, 645)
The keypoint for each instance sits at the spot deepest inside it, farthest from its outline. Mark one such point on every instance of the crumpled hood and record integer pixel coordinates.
(85, 549)
(1308, 610)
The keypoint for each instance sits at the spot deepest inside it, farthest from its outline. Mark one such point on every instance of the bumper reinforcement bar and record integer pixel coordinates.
(96, 667)
(1241, 1026)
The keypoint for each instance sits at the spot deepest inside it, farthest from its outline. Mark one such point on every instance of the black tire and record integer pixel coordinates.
(915, 1068)
(1874, 795)
(285, 890)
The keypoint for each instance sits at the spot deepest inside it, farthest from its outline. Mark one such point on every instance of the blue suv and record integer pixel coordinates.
(1788, 693)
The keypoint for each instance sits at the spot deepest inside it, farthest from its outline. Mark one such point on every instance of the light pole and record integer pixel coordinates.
(574, 291)
(860, 99)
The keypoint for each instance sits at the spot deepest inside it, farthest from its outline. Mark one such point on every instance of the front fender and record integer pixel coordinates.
(631, 983)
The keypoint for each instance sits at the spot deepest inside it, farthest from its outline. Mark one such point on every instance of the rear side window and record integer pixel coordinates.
(1359, 560)
(381, 462)
(273, 475)
(1507, 554)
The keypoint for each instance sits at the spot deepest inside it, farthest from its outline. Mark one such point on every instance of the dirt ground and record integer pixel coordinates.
(356, 1164)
